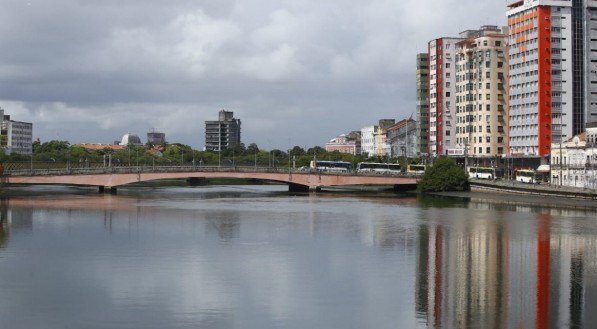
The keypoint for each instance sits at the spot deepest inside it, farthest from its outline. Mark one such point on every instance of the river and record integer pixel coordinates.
(259, 257)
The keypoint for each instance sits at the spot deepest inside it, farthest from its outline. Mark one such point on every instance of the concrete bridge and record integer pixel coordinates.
(110, 178)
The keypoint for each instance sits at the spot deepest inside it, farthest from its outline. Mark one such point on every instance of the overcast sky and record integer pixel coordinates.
(294, 71)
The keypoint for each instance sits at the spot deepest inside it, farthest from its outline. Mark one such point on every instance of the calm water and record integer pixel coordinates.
(256, 257)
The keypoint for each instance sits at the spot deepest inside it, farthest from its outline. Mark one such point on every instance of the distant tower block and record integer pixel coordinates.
(156, 138)
(222, 134)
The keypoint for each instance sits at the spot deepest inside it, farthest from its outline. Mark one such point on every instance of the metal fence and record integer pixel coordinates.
(88, 168)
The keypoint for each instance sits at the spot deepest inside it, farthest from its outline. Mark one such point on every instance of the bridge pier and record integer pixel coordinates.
(107, 189)
(298, 188)
(197, 181)
(405, 188)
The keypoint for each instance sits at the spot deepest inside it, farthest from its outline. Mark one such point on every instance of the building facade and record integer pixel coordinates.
(422, 104)
(574, 162)
(481, 93)
(553, 72)
(345, 143)
(402, 139)
(15, 136)
(382, 147)
(368, 140)
(156, 138)
(442, 95)
(224, 133)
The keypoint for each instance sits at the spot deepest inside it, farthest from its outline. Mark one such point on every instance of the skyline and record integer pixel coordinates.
(70, 67)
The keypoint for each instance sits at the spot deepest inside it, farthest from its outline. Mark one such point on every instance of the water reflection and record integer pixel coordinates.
(485, 271)
(263, 259)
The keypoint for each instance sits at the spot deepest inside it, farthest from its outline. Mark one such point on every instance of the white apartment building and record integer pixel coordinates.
(481, 89)
(16, 136)
(368, 140)
(553, 72)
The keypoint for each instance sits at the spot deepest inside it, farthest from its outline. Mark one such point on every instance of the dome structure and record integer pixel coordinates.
(130, 139)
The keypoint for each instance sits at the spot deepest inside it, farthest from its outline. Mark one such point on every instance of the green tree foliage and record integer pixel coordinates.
(443, 176)
(252, 148)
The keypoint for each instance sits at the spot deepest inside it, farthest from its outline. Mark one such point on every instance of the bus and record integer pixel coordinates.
(481, 172)
(417, 169)
(528, 176)
(331, 166)
(379, 167)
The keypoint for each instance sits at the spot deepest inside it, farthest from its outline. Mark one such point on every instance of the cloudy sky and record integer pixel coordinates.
(294, 71)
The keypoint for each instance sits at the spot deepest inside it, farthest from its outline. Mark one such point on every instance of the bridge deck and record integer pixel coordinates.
(118, 176)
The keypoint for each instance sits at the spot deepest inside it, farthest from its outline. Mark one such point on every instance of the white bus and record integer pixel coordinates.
(481, 172)
(331, 166)
(379, 167)
(417, 169)
(527, 176)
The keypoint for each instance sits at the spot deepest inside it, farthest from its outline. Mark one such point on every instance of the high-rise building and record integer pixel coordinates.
(222, 134)
(442, 95)
(422, 103)
(481, 92)
(553, 72)
(15, 136)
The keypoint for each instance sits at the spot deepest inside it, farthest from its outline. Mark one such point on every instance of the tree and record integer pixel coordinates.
(443, 176)
(316, 150)
(297, 151)
(252, 149)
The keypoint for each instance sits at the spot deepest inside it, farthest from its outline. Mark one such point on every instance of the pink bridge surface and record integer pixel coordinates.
(117, 179)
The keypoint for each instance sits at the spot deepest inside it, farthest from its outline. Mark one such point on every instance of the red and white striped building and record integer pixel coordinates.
(442, 95)
(553, 72)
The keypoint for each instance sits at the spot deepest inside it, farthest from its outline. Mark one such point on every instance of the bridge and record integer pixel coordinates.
(110, 178)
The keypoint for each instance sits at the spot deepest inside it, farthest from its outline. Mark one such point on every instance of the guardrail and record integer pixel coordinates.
(93, 170)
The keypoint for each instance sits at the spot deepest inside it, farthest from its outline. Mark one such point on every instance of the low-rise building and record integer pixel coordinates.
(402, 139)
(15, 136)
(574, 162)
(130, 139)
(100, 147)
(346, 143)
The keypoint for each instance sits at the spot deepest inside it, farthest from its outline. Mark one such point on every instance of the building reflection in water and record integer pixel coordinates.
(226, 224)
(13, 221)
(494, 273)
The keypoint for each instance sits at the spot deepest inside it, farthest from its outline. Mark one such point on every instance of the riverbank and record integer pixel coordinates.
(514, 187)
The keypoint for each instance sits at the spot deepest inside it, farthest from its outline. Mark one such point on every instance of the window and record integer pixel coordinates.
(488, 150)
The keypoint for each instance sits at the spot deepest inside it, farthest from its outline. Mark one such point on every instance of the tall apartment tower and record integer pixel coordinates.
(442, 95)
(553, 72)
(422, 129)
(222, 134)
(481, 92)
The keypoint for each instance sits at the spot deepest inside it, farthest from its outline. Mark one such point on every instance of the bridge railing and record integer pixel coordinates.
(48, 169)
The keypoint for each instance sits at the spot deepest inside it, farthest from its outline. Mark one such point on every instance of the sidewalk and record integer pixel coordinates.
(535, 189)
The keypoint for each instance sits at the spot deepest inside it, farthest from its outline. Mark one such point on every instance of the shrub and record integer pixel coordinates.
(444, 176)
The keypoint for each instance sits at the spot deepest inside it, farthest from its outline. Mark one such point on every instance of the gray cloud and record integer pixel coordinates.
(298, 71)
